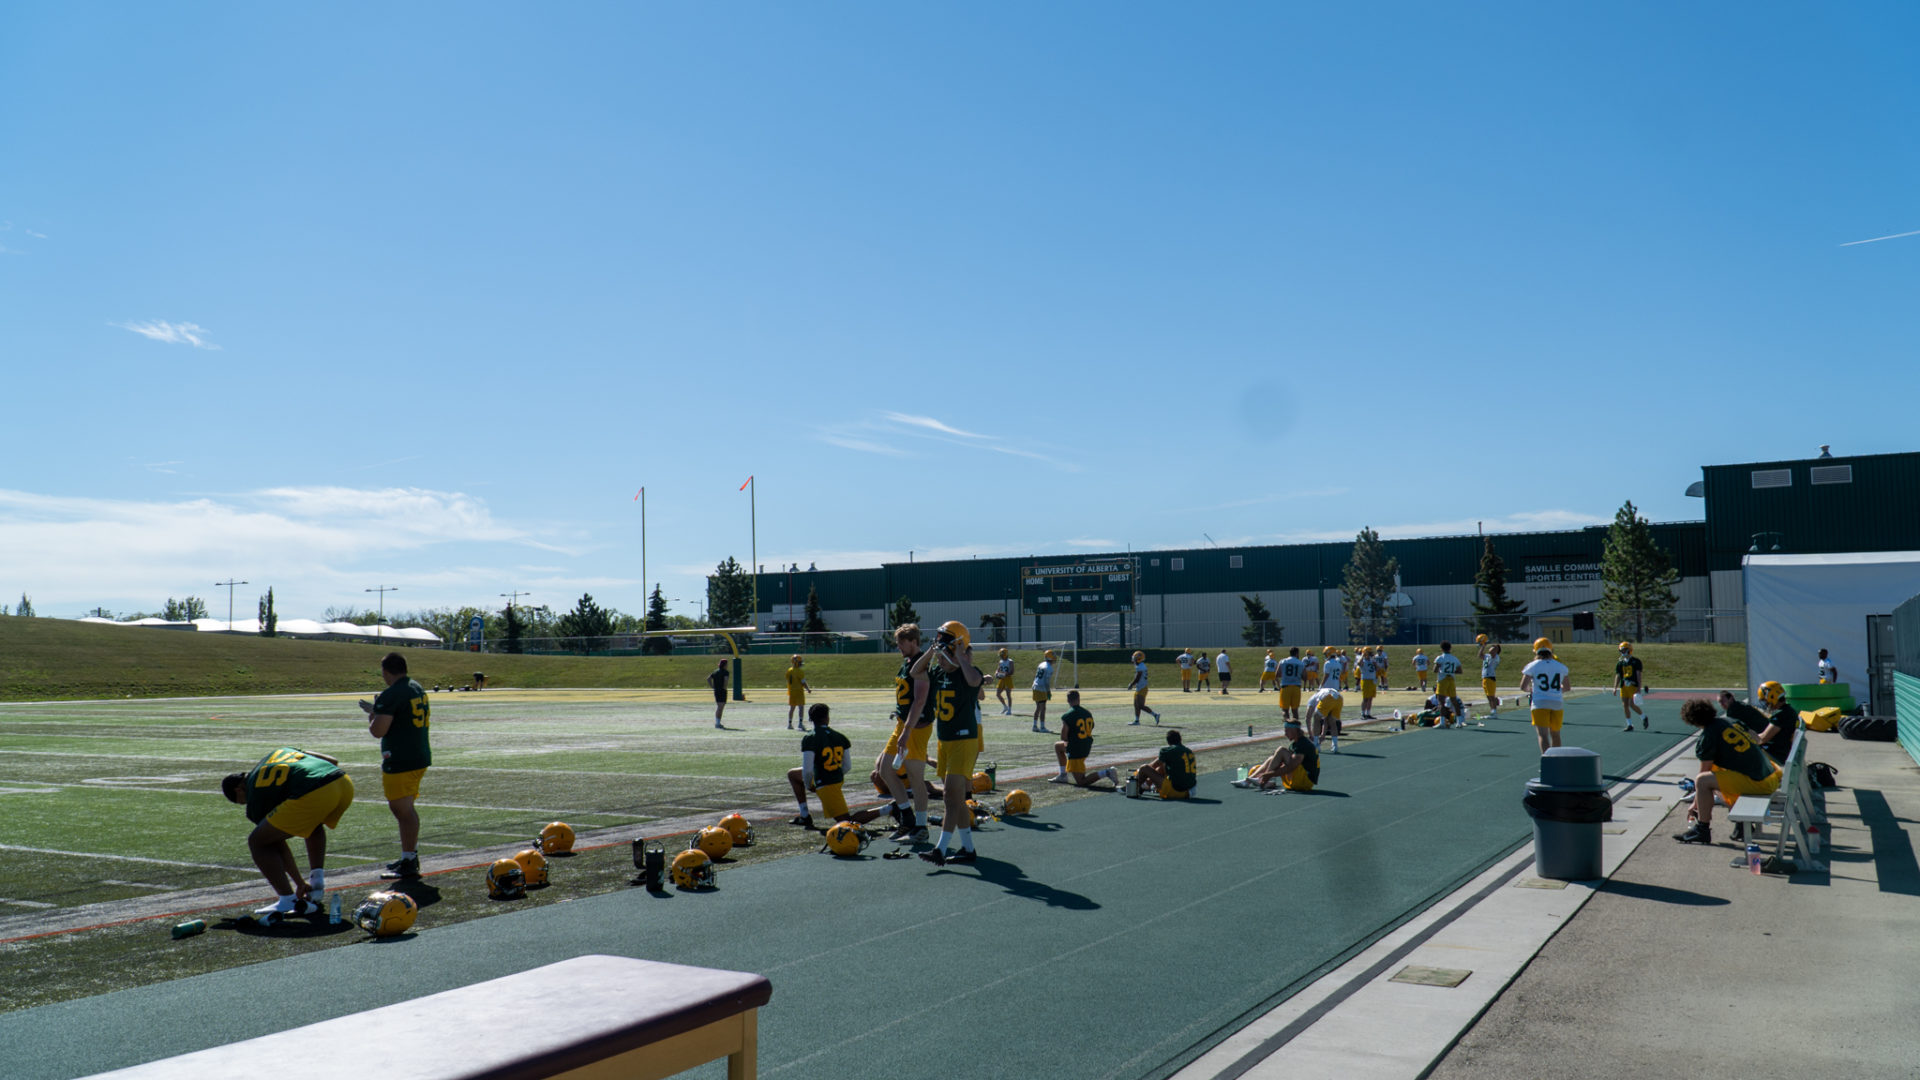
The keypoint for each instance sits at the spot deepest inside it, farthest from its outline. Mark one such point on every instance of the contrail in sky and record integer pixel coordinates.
(1877, 239)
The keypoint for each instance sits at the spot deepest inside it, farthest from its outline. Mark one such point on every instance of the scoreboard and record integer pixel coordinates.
(1066, 588)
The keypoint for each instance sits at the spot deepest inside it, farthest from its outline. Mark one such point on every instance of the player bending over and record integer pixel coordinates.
(1730, 763)
(1323, 716)
(1076, 724)
(290, 793)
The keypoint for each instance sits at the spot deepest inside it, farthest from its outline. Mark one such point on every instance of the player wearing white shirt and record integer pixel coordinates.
(1420, 665)
(1829, 673)
(1185, 660)
(1323, 717)
(1042, 690)
(1003, 683)
(1292, 673)
(1336, 669)
(1369, 681)
(1446, 668)
(1269, 668)
(1311, 677)
(1224, 665)
(1490, 676)
(1139, 688)
(1546, 681)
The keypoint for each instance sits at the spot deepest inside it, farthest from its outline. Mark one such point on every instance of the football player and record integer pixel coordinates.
(1323, 716)
(1185, 660)
(1042, 690)
(1829, 672)
(290, 793)
(1336, 666)
(1420, 665)
(902, 767)
(1174, 773)
(1224, 665)
(1546, 681)
(823, 769)
(796, 693)
(717, 681)
(1490, 675)
(398, 717)
(1139, 687)
(953, 681)
(1003, 683)
(1293, 672)
(1310, 678)
(1076, 724)
(1369, 681)
(1447, 668)
(1295, 766)
(1626, 683)
(1730, 763)
(1202, 673)
(1269, 670)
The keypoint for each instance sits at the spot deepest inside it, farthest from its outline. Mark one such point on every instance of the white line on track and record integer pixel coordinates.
(25, 903)
(126, 858)
(139, 884)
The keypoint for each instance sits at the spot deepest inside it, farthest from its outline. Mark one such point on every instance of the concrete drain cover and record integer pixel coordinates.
(1613, 830)
(1428, 976)
(1539, 883)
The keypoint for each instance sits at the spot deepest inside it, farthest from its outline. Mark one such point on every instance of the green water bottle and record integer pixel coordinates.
(188, 929)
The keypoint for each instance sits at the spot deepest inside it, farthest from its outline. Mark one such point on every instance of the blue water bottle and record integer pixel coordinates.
(1754, 861)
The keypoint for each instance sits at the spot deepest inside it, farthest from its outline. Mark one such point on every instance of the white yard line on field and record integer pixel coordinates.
(125, 858)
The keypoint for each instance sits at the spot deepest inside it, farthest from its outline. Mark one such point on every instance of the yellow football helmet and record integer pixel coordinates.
(1627, 647)
(1138, 656)
(693, 870)
(1772, 694)
(976, 813)
(982, 783)
(1003, 654)
(533, 865)
(1051, 656)
(1479, 639)
(556, 838)
(713, 840)
(1542, 644)
(1018, 802)
(957, 630)
(846, 839)
(740, 828)
(386, 913)
(506, 881)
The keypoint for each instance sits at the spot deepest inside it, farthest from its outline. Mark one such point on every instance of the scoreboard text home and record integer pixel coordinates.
(1067, 588)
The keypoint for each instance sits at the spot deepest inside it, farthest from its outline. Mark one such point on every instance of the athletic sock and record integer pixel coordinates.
(410, 855)
(946, 838)
(803, 805)
(318, 879)
(920, 820)
(906, 806)
(966, 839)
(283, 903)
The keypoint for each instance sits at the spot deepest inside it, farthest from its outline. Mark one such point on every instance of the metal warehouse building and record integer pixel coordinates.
(1192, 597)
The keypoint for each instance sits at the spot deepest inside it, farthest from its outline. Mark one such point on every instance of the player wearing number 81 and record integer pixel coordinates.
(399, 719)
(1546, 680)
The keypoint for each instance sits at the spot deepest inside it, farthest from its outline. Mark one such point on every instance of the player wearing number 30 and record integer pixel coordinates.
(291, 793)
(1547, 680)
(398, 718)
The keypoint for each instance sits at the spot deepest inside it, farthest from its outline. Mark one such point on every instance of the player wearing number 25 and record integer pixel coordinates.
(398, 718)
(290, 793)
(1731, 763)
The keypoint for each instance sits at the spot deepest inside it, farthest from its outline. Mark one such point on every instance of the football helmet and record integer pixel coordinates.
(1542, 644)
(693, 870)
(1003, 654)
(533, 865)
(556, 838)
(741, 829)
(713, 840)
(386, 913)
(1018, 802)
(982, 783)
(796, 659)
(976, 813)
(1479, 639)
(506, 881)
(847, 839)
(1051, 656)
(957, 630)
(1627, 647)
(1138, 656)
(1772, 694)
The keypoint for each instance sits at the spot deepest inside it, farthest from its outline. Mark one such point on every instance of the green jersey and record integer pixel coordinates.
(1727, 746)
(285, 774)
(1309, 756)
(956, 706)
(1182, 771)
(1628, 670)
(903, 688)
(404, 747)
(829, 754)
(1076, 728)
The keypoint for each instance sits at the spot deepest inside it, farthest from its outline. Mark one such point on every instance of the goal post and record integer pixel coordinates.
(1026, 657)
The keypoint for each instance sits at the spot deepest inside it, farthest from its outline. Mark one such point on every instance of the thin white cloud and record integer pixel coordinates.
(930, 424)
(865, 446)
(166, 467)
(172, 333)
(1877, 239)
(884, 435)
(36, 235)
(1097, 544)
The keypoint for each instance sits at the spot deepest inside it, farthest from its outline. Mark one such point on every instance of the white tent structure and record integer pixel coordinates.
(306, 628)
(1800, 604)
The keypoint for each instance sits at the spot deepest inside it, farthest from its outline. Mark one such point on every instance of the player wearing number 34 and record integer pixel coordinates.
(398, 718)
(1546, 681)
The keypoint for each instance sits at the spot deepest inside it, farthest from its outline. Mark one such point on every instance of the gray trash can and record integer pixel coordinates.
(1568, 802)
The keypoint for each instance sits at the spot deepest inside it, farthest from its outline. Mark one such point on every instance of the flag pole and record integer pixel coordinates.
(641, 497)
(753, 521)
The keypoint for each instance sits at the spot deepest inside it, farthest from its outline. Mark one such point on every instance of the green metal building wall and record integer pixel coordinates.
(1879, 510)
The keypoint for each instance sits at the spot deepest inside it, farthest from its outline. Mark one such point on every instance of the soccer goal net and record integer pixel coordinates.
(1026, 657)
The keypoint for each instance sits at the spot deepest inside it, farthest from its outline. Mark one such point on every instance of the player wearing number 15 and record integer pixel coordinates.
(955, 687)
(1547, 680)
(398, 718)
(290, 793)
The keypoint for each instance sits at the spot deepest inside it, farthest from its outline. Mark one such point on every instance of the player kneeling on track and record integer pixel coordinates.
(1174, 774)
(1293, 767)
(1731, 763)
(291, 793)
(823, 769)
(1076, 724)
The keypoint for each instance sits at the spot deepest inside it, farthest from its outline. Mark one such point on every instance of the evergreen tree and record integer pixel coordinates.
(515, 629)
(815, 624)
(588, 625)
(195, 607)
(995, 624)
(903, 613)
(174, 611)
(729, 597)
(25, 608)
(269, 622)
(661, 644)
(1500, 617)
(1260, 629)
(1637, 578)
(1366, 589)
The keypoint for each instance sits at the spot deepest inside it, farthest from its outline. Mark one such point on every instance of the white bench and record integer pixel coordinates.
(588, 1018)
(1791, 808)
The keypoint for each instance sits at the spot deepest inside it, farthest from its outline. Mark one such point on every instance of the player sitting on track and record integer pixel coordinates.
(1420, 665)
(289, 793)
(1139, 687)
(1490, 675)
(1269, 670)
(1546, 682)
(1042, 690)
(954, 682)
(1202, 673)
(902, 765)
(1076, 724)
(1626, 683)
(1436, 711)
(398, 717)
(1173, 774)
(1292, 673)
(796, 693)
(1295, 766)
(1731, 764)
(717, 679)
(823, 768)
(1003, 683)
(1323, 716)
(1185, 660)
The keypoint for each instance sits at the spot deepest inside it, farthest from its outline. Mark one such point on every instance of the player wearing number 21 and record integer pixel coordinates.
(1546, 681)
(398, 718)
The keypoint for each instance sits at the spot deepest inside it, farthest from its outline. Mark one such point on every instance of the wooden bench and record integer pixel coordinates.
(1791, 808)
(589, 1018)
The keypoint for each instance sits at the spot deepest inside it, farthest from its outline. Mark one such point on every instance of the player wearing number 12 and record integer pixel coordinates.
(290, 793)
(1547, 681)
(399, 718)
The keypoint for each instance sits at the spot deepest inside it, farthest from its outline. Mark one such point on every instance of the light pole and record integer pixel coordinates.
(383, 590)
(230, 585)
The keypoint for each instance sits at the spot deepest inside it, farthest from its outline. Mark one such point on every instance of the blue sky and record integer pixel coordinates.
(420, 295)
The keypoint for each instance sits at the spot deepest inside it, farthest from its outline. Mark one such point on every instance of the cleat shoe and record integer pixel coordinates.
(1739, 832)
(901, 834)
(934, 856)
(963, 857)
(402, 869)
(805, 821)
(1696, 834)
(308, 907)
(1643, 722)
(1629, 725)
(1061, 779)
(1245, 783)
(1136, 722)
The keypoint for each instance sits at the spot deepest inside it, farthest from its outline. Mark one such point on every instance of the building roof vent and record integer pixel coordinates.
(1831, 474)
(1772, 478)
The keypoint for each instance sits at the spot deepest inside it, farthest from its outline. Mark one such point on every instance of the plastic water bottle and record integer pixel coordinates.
(1754, 861)
(1242, 774)
(188, 929)
(333, 909)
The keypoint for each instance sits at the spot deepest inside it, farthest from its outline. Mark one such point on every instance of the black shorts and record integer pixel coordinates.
(719, 695)
(1226, 676)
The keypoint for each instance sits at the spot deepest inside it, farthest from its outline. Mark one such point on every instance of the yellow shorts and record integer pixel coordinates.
(1297, 780)
(1186, 674)
(1139, 695)
(796, 697)
(1003, 684)
(832, 800)
(1335, 714)
(401, 785)
(893, 741)
(1488, 686)
(1076, 764)
(1168, 791)
(1734, 784)
(1041, 696)
(1629, 691)
(1289, 697)
(1266, 676)
(321, 806)
(957, 758)
(1366, 688)
(1548, 718)
(917, 743)
(1445, 687)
